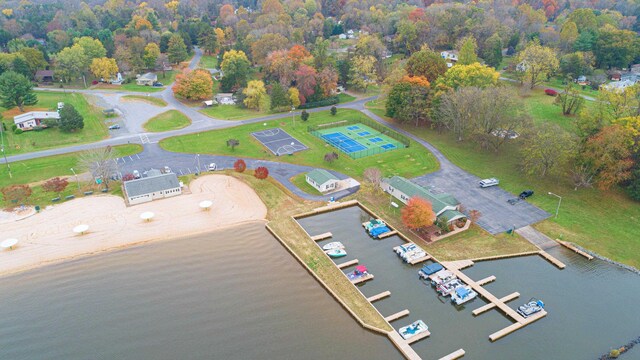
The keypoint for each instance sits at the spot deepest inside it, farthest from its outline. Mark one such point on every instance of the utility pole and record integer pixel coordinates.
(559, 201)
(293, 121)
(77, 181)
(2, 148)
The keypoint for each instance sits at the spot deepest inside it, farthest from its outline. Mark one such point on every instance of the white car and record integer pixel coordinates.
(136, 174)
(489, 182)
(212, 167)
(166, 170)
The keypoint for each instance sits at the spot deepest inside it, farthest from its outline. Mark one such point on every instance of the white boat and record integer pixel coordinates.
(530, 308)
(336, 253)
(447, 288)
(441, 277)
(417, 254)
(415, 328)
(405, 248)
(333, 245)
(462, 294)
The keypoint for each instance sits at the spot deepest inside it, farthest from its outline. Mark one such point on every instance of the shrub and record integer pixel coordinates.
(304, 115)
(550, 92)
(261, 172)
(334, 110)
(18, 131)
(325, 102)
(330, 157)
(38, 128)
(14, 127)
(240, 165)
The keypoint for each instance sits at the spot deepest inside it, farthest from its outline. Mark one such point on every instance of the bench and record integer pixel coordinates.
(88, 192)
(69, 197)
(55, 199)
(105, 190)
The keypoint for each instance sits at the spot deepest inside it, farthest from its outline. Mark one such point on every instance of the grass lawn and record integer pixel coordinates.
(168, 120)
(94, 127)
(542, 109)
(147, 99)
(37, 170)
(407, 162)
(345, 98)
(231, 112)
(209, 61)
(300, 181)
(167, 79)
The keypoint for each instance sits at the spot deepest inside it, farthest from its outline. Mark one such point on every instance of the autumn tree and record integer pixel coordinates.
(569, 100)
(266, 44)
(55, 185)
(100, 162)
(538, 62)
(235, 66)
(261, 173)
(546, 150)
(468, 49)
(280, 67)
(239, 165)
(279, 98)
(177, 50)
(294, 97)
(16, 193)
(151, 55)
(426, 63)
(362, 72)
(255, 94)
(372, 176)
(305, 78)
(194, 85)
(104, 68)
(568, 35)
(92, 48)
(16, 90)
(409, 100)
(608, 154)
(476, 75)
(327, 81)
(418, 213)
(71, 62)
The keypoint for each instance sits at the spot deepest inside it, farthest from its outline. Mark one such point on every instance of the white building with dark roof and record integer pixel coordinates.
(34, 118)
(154, 186)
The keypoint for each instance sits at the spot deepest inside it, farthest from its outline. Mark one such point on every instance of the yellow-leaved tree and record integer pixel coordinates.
(537, 62)
(104, 68)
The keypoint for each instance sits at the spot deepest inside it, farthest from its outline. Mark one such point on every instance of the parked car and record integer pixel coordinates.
(525, 194)
(114, 127)
(158, 84)
(489, 182)
(166, 170)
(212, 167)
(550, 92)
(136, 174)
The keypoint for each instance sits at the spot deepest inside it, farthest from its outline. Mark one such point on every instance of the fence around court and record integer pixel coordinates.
(381, 129)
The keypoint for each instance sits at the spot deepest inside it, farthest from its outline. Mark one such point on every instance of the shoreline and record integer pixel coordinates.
(47, 238)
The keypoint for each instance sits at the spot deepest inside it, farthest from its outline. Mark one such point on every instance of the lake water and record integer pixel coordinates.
(232, 294)
(591, 305)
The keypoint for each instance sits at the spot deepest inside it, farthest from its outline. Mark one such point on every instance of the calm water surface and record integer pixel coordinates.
(233, 294)
(592, 305)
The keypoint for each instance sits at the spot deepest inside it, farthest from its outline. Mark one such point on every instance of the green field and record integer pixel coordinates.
(407, 162)
(209, 61)
(167, 79)
(148, 99)
(168, 120)
(232, 112)
(29, 141)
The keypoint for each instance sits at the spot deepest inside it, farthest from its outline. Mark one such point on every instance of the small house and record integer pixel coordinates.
(44, 76)
(616, 76)
(224, 99)
(443, 205)
(147, 79)
(34, 118)
(322, 180)
(153, 187)
(207, 103)
(450, 55)
(342, 36)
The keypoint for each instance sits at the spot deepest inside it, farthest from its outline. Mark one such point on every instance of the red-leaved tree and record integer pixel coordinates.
(56, 185)
(418, 213)
(16, 193)
(240, 165)
(261, 172)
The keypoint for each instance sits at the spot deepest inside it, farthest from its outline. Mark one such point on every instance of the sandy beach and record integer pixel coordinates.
(48, 237)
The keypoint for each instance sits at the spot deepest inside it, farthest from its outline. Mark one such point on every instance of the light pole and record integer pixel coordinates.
(2, 149)
(198, 157)
(559, 201)
(293, 121)
(77, 181)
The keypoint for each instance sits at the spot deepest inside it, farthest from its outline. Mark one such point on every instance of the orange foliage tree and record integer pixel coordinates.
(418, 213)
(194, 85)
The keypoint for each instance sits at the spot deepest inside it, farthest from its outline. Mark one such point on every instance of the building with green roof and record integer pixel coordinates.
(322, 180)
(444, 205)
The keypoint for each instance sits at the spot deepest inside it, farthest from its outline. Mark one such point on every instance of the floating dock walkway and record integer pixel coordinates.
(419, 260)
(380, 296)
(388, 234)
(552, 260)
(454, 355)
(347, 264)
(321, 236)
(403, 346)
(490, 306)
(397, 315)
(575, 249)
(362, 279)
(486, 280)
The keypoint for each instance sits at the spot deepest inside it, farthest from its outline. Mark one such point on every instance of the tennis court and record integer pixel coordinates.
(358, 140)
(278, 141)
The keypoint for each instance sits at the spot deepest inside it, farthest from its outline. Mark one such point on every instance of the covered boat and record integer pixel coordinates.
(415, 328)
(462, 294)
(374, 223)
(336, 253)
(447, 288)
(413, 255)
(375, 233)
(429, 270)
(333, 245)
(401, 249)
(359, 272)
(530, 308)
(441, 277)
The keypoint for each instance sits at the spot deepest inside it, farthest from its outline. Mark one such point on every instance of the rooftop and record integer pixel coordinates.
(36, 115)
(151, 184)
(321, 176)
(438, 201)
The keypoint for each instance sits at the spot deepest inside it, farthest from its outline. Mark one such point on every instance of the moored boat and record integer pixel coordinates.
(530, 308)
(373, 223)
(429, 270)
(441, 277)
(333, 245)
(413, 255)
(336, 253)
(360, 271)
(401, 249)
(415, 328)
(463, 294)
(375, 233)
(447, 288)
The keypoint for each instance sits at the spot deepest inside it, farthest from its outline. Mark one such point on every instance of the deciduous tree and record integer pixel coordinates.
(208, 41)
(261, 173)
(305, 78)
(492, 51)
(331, 157)
(194, 85)
(16, 90)
(426, 63)
(232, 143)
(569, 100)
(235, 66)
(71, 62)
(538, 62)
(254, 94)
(239, 165)
(104, 68)
(418, 213)
(476, 75)
(362, 72)
(151, 55)
(294, 97)
(55, 185)
(100, 162)
(16, 193)
(546, 150)
(279, 98)
(608, 153)
(468, 48)
(93, 48)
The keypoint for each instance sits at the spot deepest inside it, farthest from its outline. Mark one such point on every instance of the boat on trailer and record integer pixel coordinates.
(533, 306)
(373, 223)
(441, 277)
(447, 288)
(333, 245)
(360, 271)
(415, 328)
(429, 270)
(463, 294)
(336, 253)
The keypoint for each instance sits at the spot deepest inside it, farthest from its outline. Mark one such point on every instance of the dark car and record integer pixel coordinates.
(525, 194)
(158, 84)
(114, 127)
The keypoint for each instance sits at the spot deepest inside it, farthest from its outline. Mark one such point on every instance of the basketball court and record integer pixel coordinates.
(279, 142)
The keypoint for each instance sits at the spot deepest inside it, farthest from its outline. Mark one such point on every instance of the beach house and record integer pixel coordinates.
(34, 118)
(444, 205)
(153, 187)
(322, 180)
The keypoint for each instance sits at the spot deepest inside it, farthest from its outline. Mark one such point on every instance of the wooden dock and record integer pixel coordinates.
(486, 280)
(457, 265)
(362, 279)
(397, 315)
(511, 328)
(575, 249)
(380, 296)
(347, 264)
(418, 337)
(321, 236)
(490, 306)
(419, 260)
(551, 259)
(387, 234)
(454, 355)
(403, 346)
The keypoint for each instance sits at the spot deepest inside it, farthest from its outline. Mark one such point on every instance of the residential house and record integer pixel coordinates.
(522, 66)
(34, 118)
(44, 76)
(450, 56)
(619, 85)
(224, 99)
(155, 186)
(342, 36)
(147, 79)
(216, 74)
(322, 180)
(445, 206)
